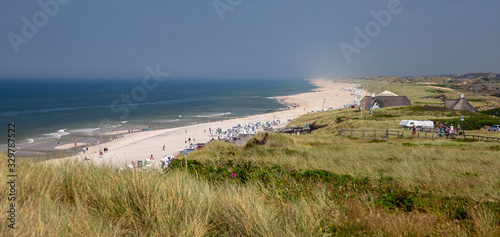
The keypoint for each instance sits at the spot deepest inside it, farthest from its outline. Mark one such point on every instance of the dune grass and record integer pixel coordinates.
(289, 185)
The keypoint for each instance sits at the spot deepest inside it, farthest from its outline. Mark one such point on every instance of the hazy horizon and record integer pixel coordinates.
(241, 39)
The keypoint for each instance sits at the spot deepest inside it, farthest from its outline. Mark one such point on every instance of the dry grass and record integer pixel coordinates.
(83, 200)
(406, 187)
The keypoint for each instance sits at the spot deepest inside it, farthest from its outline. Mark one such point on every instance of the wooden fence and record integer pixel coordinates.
(401, 134)
(293, 130)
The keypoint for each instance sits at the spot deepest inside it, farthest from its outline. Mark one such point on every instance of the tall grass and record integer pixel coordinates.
(85, 200)
(307, 185)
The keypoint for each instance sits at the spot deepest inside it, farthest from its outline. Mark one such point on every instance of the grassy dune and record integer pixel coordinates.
(308, 185)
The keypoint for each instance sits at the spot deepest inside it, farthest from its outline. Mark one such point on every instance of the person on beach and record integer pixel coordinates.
(185, 141)
(414, 130)
(151, 157)
(163, 148)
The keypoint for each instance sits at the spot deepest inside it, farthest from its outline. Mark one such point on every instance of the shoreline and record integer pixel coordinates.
(62, 137)
(131, 147)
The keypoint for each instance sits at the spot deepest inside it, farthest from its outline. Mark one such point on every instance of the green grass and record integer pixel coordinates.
(494, 111)
(388, 118)
(307, 185)
(419, 92)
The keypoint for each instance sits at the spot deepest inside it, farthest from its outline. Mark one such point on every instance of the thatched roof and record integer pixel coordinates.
(386, 101)
(387, 93)
(460, 104)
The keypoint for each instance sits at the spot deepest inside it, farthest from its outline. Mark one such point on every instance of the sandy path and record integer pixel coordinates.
(441, 88)
(141, 145)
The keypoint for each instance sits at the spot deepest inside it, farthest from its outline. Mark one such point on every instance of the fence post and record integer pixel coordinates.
(363, 133)
(340, 132)
(351, 132)
(387, 133)
(375, 133)
(398, 135)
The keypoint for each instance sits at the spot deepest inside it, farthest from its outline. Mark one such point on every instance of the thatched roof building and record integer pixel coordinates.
(377, 102)
(460, 104)
(387, 93)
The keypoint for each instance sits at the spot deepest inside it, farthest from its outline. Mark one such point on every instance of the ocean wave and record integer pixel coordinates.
(49, 110)
(29, 140)
(250, 97)
(222, 114)
(167, 121)
(212, 115)
(123, 121)
(58, 134)
(83, 130)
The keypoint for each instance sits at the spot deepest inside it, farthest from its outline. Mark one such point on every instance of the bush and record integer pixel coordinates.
(469, 123)
(402, 199)
(260, 139)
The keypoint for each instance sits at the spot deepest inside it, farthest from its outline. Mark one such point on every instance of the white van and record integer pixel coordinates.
(421, 125)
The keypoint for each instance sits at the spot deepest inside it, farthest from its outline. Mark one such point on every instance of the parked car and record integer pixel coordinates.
(494, 128)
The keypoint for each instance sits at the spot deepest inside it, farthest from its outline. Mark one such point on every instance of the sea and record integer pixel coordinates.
(47, 111)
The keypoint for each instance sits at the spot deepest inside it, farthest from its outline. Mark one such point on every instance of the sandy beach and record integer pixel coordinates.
(131, 147)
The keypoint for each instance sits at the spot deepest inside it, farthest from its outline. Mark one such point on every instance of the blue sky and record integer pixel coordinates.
(256, 39)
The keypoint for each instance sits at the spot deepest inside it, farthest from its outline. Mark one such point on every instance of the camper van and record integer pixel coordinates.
(421, 125)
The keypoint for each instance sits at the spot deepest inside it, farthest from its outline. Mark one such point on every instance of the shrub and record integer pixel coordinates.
(471, 123)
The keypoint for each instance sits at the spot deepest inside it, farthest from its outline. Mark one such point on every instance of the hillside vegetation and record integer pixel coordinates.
(482, 90)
